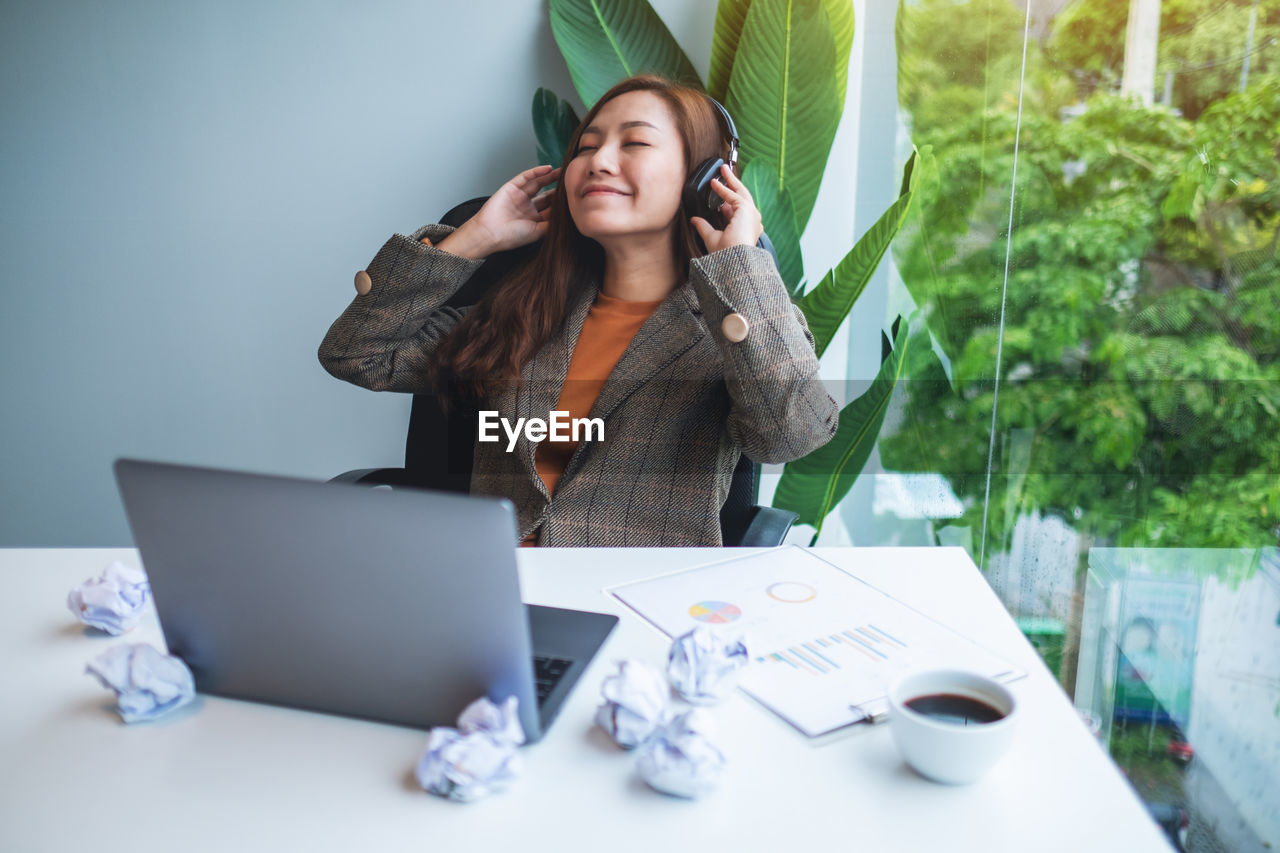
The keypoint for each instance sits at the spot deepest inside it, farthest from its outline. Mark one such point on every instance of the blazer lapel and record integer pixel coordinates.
(544, 375)
(665, 336)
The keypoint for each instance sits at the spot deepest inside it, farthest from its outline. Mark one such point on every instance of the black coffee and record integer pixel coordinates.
(955, 709)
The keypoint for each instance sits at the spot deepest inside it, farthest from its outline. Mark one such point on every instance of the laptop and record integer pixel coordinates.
(396, 606)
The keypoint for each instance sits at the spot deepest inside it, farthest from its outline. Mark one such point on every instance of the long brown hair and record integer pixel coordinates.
(519, 314)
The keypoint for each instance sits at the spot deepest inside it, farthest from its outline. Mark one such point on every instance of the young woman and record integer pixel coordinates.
(685, 359)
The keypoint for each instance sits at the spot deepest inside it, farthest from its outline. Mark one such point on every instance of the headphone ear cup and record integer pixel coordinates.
(699, 198)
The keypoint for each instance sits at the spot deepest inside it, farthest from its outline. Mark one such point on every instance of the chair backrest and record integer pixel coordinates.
(430, 428)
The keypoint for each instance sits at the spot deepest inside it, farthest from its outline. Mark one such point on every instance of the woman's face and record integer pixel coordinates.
(626, 176)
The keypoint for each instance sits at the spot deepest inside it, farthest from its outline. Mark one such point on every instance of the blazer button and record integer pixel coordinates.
(735, 327)
(363, 282)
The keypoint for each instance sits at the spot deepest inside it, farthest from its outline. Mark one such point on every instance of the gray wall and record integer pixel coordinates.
(188, 189)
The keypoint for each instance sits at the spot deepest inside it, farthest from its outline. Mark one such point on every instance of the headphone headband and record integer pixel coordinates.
(732, 159)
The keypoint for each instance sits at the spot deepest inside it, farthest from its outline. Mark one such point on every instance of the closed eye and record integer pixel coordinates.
(582, 148)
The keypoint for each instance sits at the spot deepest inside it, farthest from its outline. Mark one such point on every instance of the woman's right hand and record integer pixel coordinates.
(516, 215)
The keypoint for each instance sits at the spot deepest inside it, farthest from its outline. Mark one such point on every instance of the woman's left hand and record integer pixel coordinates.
(743, 224)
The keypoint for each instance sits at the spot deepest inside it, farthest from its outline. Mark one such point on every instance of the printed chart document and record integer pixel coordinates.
(824, 645)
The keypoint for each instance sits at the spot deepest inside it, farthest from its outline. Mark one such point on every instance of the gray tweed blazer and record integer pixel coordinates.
(680, 406)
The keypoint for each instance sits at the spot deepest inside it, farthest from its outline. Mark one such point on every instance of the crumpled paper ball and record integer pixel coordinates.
(703, 664)
(466, 767)
(113, 601)
(147, 683)
(477, 758)
(500, 722)
(635, 702)
(682, 758)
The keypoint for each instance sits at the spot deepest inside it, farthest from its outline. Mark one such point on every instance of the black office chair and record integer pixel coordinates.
(742, 522)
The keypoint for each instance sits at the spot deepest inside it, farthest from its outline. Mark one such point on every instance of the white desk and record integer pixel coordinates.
(235, 775)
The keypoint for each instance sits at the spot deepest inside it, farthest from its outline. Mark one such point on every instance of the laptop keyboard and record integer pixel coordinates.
(547, 672)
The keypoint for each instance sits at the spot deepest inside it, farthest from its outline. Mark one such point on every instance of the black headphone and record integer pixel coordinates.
(699, 197)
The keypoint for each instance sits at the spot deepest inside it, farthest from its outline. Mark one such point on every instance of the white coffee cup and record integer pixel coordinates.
(954, 750)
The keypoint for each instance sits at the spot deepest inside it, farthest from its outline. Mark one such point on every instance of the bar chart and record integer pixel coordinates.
(827, 654)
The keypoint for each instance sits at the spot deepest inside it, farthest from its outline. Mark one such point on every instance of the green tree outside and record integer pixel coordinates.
(1139, 394)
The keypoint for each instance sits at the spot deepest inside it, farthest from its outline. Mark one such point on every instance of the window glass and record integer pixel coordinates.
(1092, 405)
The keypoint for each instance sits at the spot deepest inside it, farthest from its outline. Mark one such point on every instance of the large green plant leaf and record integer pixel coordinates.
(826, 306)
(812, 485)
(779, 220)
(730, 16)
(605, 41)
(553, 124)
(782, 94)
(924, 287)
(840, 17)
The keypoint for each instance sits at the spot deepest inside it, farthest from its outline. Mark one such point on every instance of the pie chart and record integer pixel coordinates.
(715, 612)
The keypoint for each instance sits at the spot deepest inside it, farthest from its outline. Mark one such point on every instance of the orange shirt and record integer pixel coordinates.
(609, 327)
